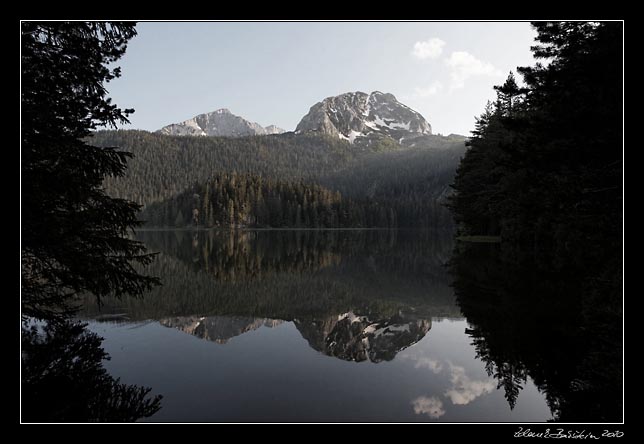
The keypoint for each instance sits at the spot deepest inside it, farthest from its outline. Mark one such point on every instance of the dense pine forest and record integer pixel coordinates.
(543, 173)
(544, 164)
(332, 182)
(164, 166)
(232, 200)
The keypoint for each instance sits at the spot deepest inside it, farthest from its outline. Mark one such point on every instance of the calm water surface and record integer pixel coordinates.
(319, 326)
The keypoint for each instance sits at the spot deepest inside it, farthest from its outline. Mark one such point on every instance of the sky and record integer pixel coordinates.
(273, 72)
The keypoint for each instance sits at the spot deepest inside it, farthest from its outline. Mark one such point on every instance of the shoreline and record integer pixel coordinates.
(276, 229)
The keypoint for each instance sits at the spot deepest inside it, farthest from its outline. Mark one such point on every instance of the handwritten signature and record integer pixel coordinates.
(561, 433)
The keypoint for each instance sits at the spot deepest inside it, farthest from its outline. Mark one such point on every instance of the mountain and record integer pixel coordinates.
(272, 129)
(357, 338)
(346, 336)
(359, 116)
(218, 329)
(218, 123)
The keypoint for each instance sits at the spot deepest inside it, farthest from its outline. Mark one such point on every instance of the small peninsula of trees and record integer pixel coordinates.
(248, 200)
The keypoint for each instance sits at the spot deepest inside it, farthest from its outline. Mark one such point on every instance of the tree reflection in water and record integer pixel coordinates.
(559, 325)
(63, 379)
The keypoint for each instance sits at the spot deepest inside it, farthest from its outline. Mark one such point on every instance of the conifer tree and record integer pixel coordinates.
(74, 236)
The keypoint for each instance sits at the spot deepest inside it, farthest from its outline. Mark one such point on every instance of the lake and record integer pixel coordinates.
(343, 326)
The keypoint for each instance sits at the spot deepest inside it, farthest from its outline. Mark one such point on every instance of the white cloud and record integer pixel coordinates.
(423, 92)
(429, 49)
(434, 88)
(464, 65)
(464, 390)
(435, 366)
(432, 407)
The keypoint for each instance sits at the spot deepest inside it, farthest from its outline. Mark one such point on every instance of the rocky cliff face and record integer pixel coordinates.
(357, 115)
(272, 129)
(218, 123)
(353, 337)
(217, 328)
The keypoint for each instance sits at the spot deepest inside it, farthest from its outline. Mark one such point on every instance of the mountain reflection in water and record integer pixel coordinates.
(291, 322)
(347, 336)
(342, 290)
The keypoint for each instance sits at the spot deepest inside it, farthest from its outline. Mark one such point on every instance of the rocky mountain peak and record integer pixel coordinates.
(221, 123)
(355, 115)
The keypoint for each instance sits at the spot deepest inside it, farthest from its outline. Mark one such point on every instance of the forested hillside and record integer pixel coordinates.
(166, 165)
(388, 184)
(414, 182)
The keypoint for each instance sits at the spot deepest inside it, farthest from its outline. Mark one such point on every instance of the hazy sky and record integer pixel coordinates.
(273, 72)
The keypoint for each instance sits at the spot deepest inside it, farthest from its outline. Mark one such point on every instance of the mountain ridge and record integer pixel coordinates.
(220, 122)
(351, 116)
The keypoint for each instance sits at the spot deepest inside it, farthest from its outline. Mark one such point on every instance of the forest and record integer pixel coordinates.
(384, 184)
(543, 173)
(544, 164)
